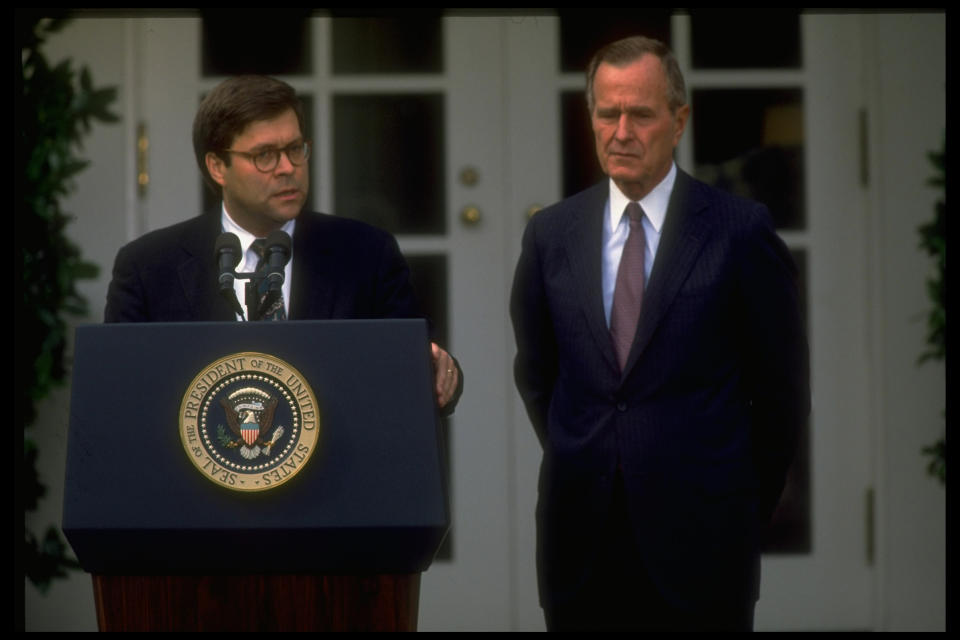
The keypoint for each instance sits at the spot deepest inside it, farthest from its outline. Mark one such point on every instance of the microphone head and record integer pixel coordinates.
(277, 246)
(278, 240)
(227, 253)
(228, 244)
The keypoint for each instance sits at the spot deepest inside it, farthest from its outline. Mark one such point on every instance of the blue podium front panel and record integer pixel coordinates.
(156, 462)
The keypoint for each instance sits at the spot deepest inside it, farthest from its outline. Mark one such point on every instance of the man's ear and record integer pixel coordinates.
(680, 122)
(215, 167)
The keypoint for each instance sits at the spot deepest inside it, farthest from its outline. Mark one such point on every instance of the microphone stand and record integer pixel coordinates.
(251, 294)
(252, 298)
(255, 307)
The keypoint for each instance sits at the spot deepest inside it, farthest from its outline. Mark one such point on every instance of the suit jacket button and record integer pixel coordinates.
(621, 406)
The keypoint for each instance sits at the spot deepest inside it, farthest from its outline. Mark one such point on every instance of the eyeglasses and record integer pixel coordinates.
(267, 159)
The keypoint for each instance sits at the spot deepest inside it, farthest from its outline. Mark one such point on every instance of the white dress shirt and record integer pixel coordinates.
(249, 261)
(616, 228)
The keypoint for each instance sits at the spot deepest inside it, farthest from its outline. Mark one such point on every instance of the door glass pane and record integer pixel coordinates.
(750, 142)
(241, 41)
(388, 45)
(735, 39)
(212, 201)
(580, 165)
(389, 161)
(584, 32)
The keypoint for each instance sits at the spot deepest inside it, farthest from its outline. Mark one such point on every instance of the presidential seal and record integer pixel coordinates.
(249, 422)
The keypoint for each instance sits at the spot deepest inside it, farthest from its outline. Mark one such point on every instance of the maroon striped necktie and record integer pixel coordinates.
(628, 292)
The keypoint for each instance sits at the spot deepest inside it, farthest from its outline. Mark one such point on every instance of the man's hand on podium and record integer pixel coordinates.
(447, 378)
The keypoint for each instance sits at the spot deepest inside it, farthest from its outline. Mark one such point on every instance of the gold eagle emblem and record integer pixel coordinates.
(249, 412)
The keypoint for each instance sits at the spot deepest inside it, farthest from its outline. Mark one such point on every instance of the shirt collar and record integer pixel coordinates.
(654, 204)
(246, 238)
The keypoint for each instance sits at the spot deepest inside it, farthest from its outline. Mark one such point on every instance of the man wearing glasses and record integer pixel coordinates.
(249, 143)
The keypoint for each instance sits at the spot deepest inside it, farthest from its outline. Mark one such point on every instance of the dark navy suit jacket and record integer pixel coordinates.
(342, 269)
(704, 419)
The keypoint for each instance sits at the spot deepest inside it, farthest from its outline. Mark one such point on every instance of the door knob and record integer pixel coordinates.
(469, 176)
(470, 216)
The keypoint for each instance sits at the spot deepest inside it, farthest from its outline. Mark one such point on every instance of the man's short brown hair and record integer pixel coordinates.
(232, 105)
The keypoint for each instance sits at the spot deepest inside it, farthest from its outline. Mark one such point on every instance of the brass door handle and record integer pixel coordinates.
(143, 170)
(469, 176)
(470, 216)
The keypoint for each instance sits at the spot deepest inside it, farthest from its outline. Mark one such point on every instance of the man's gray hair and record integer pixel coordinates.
(623, 52)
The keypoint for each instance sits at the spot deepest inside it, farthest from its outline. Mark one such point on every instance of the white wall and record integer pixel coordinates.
(906, 85)
(905, 97)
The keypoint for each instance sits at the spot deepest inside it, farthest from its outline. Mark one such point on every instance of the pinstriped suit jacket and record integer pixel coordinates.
(704, 418)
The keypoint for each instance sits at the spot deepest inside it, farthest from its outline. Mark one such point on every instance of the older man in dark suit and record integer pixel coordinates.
(250, 146)
(661, 358)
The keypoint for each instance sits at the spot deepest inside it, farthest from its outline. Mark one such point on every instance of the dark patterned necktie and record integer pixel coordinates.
(274, 309)
(628, 292)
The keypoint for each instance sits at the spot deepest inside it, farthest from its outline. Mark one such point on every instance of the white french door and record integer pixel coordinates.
(499, 94)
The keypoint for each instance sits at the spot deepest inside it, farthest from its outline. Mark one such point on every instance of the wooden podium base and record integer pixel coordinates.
(257, 603)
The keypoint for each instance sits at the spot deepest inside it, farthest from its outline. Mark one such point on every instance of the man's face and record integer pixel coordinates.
(634, 129)
(262, 202)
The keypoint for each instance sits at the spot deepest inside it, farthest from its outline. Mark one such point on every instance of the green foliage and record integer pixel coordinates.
(937, 466)
(933, 240)
(49, 558)
(56, 107)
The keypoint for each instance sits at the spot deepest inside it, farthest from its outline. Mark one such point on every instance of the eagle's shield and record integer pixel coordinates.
(250, 431)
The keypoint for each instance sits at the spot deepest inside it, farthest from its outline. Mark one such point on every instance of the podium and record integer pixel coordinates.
(255, 476)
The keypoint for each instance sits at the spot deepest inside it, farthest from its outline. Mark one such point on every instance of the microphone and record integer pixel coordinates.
(228, 253)
(277, 247)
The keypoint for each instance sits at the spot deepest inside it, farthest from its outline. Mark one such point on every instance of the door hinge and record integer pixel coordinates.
(864, 140)
(869, 527)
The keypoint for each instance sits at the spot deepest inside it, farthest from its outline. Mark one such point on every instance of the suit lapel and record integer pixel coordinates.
(584, 248)
(312, 292)
(198, 271)
(684, 232)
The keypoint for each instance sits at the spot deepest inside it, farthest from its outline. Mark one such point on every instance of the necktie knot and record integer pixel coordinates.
(635, 213)
(259, 247)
